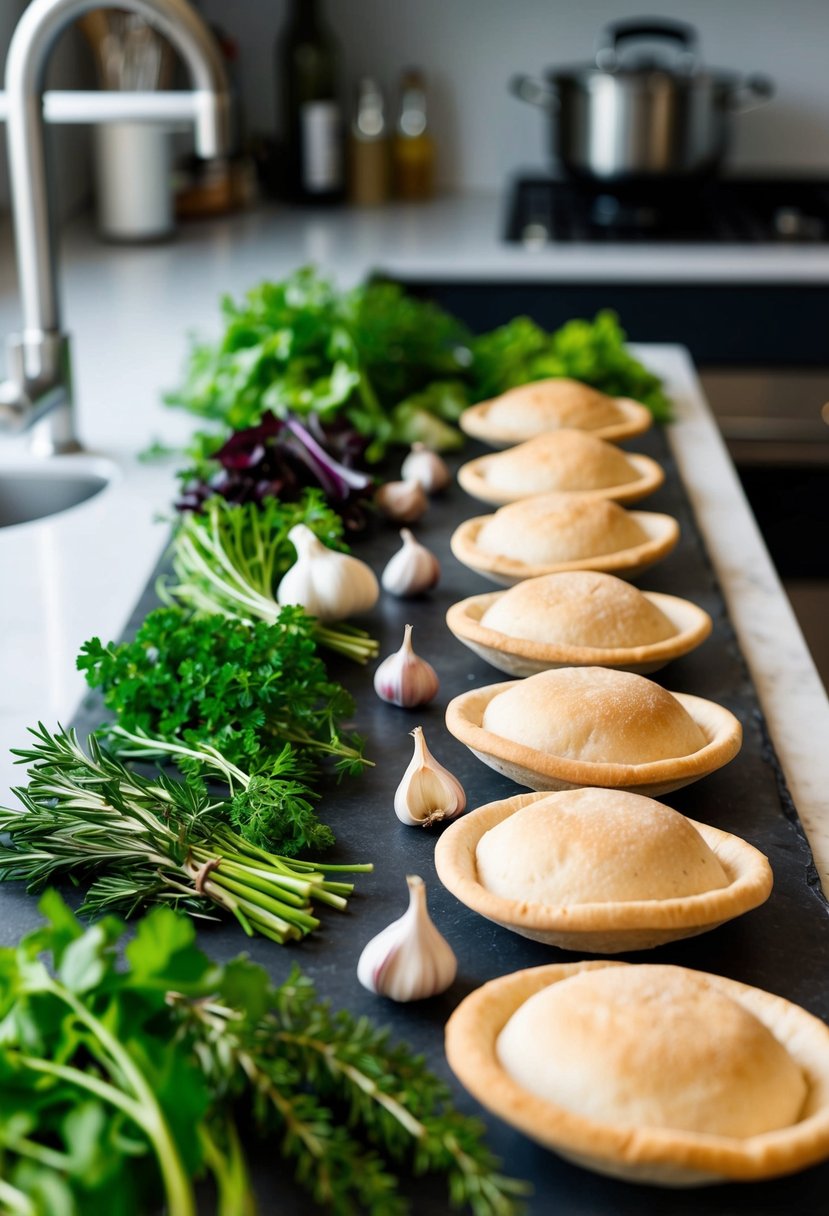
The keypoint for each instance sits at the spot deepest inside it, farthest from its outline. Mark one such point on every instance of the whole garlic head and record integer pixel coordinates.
(410, 960)
(412, 570)
(428, 792)
(404, 678)
(403, 502)
(425, 466)
(328, 585)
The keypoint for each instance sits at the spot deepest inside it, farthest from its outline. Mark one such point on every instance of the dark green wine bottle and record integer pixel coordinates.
(308, 81)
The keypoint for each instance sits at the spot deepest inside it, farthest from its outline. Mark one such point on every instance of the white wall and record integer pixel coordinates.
(471, 47)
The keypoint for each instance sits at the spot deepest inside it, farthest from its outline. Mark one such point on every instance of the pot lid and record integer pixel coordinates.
(628, 46)
(642, 46)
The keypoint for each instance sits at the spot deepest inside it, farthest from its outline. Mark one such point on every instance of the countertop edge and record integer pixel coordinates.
(789, 687)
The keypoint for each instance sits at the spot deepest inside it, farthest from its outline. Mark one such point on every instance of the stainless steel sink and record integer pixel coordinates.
(35, 489)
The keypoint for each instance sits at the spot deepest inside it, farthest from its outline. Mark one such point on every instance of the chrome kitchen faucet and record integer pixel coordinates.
(39, 384)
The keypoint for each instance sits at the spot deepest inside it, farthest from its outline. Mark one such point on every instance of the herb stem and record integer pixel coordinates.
(368, 1086)
(15, 1202)
(148, 1117)
(253, 880)
(250, 896)
(41, 1153)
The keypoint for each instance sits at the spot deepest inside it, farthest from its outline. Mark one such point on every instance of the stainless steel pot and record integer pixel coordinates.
(642, 115)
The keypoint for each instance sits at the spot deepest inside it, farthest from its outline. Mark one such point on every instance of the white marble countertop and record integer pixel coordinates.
(80, 574)
(456, 237)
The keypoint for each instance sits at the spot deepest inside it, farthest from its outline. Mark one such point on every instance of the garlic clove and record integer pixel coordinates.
(426, 467)
(328, 585)
(404, 678)
(410, 960)
(403, 502)
(412, 570)
(428, 793)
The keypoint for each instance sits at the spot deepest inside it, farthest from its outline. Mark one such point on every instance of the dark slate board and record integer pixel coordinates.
(783, 946)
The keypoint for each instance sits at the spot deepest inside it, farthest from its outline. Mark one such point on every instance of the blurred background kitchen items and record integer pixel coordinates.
(38, 388)
(641, 112)
(308, 75)
(369, 165)
(133, 165)
(413, 150)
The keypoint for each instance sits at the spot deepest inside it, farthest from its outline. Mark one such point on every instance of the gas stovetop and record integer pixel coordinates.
(739, 211)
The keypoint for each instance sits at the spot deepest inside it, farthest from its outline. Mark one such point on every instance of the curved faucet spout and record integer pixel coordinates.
(31, 44)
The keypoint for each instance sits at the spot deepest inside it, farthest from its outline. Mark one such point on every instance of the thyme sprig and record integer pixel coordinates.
(85, 816)
(305, 1062)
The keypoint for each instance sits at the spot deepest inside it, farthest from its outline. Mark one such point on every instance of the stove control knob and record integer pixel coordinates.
(535, 234)
(793, 224)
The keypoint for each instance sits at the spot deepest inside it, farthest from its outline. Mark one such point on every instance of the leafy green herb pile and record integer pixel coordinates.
(396, 368)
(250, 702)
(592, 351)
(140, 842)
(300, 346)
(121, 1084)
(228, 560)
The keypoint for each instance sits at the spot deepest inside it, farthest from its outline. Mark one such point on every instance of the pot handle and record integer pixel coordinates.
(534, 91)
(751, 92)
(652, 27)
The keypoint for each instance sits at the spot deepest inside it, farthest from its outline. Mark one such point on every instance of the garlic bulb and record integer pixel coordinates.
(428, 792)
(412, 569)
(404, 678)
(403, 502)
(327, 584)
(425, 466)
(409, 960)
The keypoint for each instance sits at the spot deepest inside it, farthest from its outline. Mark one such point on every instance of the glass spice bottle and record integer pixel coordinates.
(369, 166)
(413, 150)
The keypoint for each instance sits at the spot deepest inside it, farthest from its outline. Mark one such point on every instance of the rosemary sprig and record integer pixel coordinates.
(84, 815)
(228, 560)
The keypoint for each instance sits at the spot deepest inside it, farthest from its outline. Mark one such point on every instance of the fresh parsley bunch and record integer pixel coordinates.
(122, 1082)
(251, 702)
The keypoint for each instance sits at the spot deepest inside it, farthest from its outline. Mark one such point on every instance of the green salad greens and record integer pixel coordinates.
(592, 351)
(133, 1067)
(300, 346)
(394, 367)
